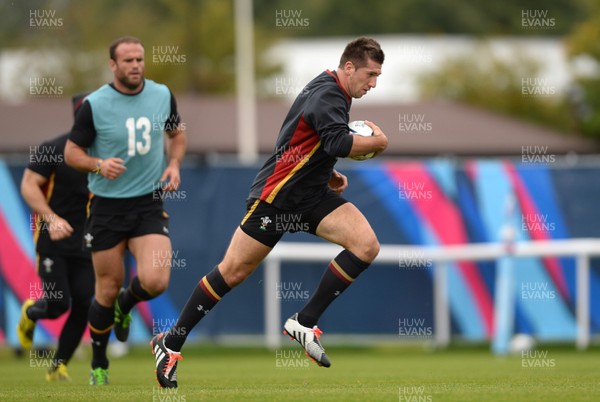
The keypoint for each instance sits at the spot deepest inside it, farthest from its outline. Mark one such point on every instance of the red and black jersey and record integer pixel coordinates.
(67, 195)
(313, 135)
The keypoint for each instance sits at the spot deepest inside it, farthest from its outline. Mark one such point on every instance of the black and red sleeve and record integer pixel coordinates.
(327, 112)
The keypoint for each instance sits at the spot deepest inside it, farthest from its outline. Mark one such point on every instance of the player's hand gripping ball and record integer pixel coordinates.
(358, 127)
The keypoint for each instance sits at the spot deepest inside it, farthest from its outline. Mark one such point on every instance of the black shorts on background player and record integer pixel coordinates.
(112, 220)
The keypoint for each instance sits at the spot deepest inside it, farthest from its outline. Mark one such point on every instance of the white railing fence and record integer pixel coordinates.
(581, 249)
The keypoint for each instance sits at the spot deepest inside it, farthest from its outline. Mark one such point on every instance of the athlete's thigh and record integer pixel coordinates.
(348, 227)
(109, 262)
(243, 255)
(152, 253)
(109, 270)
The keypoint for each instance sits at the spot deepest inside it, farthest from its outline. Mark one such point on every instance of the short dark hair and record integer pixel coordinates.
(123, 39)
(360, 50)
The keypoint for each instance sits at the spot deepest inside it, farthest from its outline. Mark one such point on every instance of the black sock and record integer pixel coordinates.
(37, 310)
(340, 274)
(101, 321)
(133, 295)
(71, 333)
(205, 296)
(81, 291)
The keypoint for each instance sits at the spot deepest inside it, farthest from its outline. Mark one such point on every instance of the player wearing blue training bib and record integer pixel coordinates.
(119, 139)
(130, 127)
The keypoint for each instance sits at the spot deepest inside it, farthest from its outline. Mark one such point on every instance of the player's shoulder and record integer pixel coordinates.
(59, 141)
(102, 92)
(156, 86)
(325, 89)
(54, 145)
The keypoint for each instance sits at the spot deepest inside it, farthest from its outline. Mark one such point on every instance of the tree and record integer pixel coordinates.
(189, 44)
(482, 79)
(584, 52)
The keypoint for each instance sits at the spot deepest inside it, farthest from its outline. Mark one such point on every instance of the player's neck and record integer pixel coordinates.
(126, 90)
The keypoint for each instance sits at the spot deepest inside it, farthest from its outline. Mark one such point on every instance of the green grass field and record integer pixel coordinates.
(209, 373)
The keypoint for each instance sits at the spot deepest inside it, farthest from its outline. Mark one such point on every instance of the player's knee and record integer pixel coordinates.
(56, 308)
(368, 249)
(237, 275)
(107, 295)
(156, 286)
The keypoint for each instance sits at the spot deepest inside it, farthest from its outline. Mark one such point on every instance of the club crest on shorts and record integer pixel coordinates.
(48, 264)
(265, 220)
(88, 240)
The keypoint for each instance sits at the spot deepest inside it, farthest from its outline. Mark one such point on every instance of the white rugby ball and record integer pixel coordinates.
(358, 127)
(521, 343)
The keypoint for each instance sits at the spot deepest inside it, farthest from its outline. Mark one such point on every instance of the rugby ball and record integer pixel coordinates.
(358, 127)
(521, 343)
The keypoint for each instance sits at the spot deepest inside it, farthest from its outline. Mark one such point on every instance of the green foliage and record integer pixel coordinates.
(482, 79)
(203, 31)
(353, 18)
(197, 37)
(583, 43)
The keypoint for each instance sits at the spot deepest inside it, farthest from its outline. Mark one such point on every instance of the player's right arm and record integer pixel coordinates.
(78, 158)
(80, 139)
(31, 190)
(377, 143)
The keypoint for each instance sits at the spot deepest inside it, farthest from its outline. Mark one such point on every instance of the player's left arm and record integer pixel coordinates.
(376, 143)
(337, 182)
(177, 144)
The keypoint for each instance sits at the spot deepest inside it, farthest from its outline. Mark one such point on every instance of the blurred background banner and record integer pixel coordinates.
(428, 202)
(481, 104)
